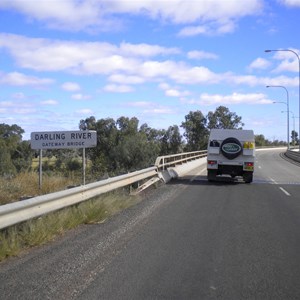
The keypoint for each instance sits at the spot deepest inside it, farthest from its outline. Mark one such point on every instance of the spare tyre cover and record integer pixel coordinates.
(231, 148)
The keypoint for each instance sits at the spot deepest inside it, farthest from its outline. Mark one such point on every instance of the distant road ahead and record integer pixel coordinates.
(189, 239)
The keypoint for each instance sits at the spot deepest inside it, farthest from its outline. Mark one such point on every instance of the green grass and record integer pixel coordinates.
(15, 239)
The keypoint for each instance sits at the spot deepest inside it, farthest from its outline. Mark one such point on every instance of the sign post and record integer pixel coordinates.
(40, 168)
(83, 166)
(63, 140)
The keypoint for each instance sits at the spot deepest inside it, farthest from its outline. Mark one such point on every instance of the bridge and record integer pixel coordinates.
(188, 239)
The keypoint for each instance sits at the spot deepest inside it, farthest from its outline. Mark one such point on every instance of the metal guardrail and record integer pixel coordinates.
(17, 212)
(171, 160)
(293, 155)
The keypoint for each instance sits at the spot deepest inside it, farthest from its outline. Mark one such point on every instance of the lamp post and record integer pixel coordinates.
(294, 137)
(288, 109)
(293, 116)
(289, 50)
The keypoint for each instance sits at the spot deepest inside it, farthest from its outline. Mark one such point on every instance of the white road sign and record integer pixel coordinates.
(63, 139)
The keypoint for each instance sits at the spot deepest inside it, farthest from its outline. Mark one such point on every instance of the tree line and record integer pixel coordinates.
(123, 145)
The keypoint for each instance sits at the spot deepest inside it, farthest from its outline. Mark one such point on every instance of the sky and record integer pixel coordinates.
(62, 61)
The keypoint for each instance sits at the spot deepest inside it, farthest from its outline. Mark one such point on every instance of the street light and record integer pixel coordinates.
(293, 135)
(288, 109)
(289, 50)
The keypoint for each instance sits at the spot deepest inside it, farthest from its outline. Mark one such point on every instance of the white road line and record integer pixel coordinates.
(283, 190)
(273, 181)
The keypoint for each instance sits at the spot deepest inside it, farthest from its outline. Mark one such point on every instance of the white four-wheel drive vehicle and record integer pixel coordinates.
(231, 152)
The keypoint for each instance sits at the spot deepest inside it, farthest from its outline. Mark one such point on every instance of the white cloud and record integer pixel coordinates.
(211, 28)
(17, 107)
(84, 111)
(4, 104)
(160, 110)
(201, 55)
(287, 65)
(108, 15)
(194, 75)
(78, 57)
(80, 97)
(114, 88)
(290, 2)
(141, 104)
(146, 50)
(68, 14)
(235, 98)
(280, 80)
(173, 91)
(19, 79)
(49, 102)
(126, 79)
(89, 58)
(193, 31)
(151, 108)
(54, 55)
(260, 64)
(252, 81)
(71, 86)
(19, 95)
(288, 60)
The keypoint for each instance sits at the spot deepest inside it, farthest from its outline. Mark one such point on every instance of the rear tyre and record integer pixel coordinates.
(211, 175)
(248, 177)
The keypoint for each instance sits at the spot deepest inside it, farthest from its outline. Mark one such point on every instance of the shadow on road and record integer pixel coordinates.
(202, 180)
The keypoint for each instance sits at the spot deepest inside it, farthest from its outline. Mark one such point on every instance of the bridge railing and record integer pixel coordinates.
(163, 162)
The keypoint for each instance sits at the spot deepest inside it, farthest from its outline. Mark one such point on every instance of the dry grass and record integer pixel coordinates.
(44, 229)
(26, 185)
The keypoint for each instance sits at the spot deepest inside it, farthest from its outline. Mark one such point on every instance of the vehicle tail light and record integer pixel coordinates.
(212, 162)
(249, 166)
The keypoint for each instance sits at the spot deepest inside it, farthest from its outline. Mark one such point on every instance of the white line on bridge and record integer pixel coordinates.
(283, 190)
(273, 181)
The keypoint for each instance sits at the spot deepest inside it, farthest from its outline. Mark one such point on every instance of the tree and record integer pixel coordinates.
(171, 142)
(7, 167)
(88, 123)
(102, 155)
(135, 147)
(12, 132)
(22, 156)
(128, 126)
(15, 154)
(222, 118)
(294, 137)
(196, 132)
(261, 141)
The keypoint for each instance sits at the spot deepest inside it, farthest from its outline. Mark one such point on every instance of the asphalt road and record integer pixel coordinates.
(189, 239)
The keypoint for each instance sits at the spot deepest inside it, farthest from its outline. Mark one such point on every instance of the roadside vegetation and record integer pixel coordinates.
(15, 239)
(123, 146)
